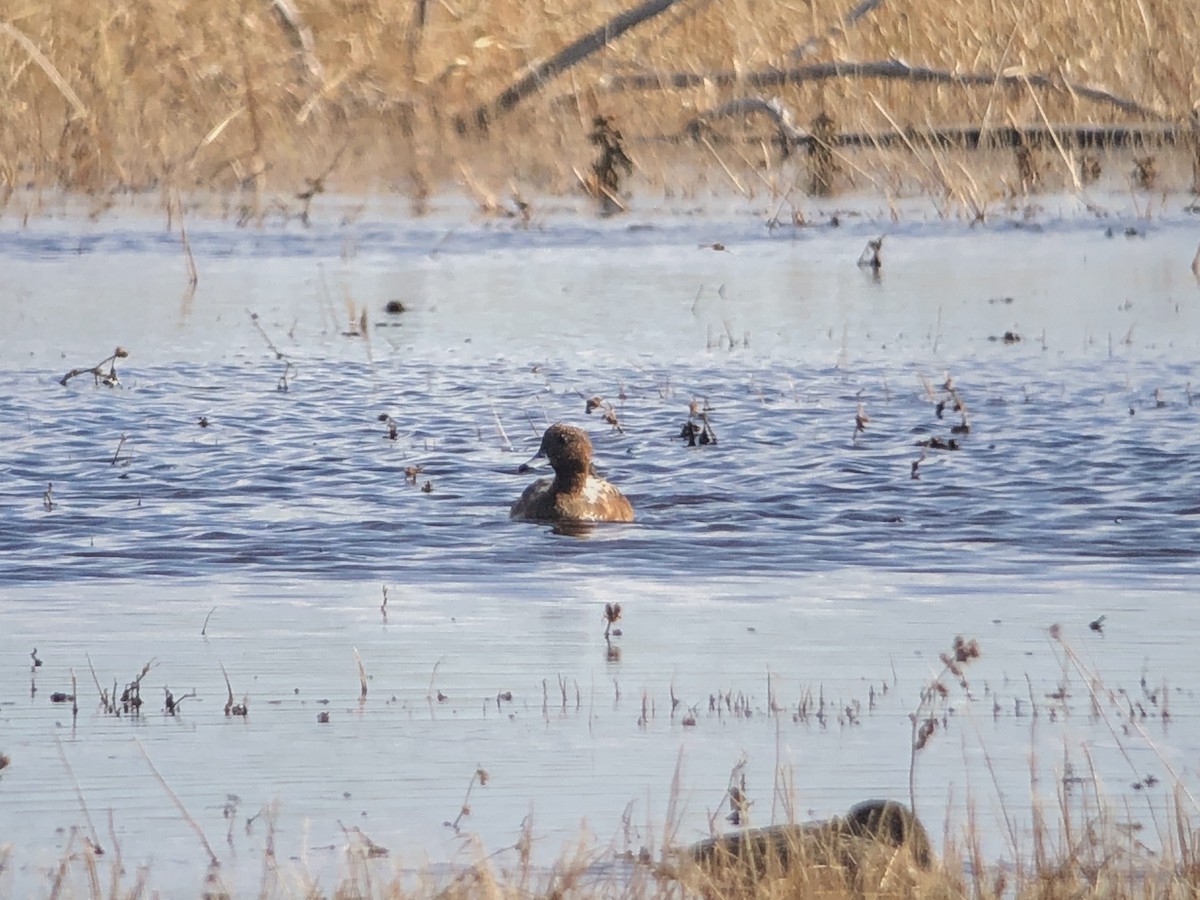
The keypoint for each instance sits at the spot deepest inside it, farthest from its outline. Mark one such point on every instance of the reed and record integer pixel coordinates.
(1078, 842)
(1081, 850)
(276, 103)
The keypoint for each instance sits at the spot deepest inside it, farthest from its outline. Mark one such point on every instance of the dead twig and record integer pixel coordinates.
(108, 378)
(578, 50)
(212, 857)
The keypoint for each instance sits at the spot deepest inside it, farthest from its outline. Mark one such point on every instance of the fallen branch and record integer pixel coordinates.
(884, 68)
(773, 109)
(969, 136)
(109, 378)
(575, 52)
(851, 16)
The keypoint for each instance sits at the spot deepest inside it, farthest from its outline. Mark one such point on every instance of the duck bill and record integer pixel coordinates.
(534, 462)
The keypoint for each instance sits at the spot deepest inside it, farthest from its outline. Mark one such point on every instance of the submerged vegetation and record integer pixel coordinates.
(278, 101)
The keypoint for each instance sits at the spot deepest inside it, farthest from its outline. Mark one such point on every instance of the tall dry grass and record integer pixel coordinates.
(261, 95)
(1089, 853)
(1077, 841)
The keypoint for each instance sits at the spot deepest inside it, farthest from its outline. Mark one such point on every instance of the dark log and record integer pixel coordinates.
(573, 53)
(852, 15)
(968, 137)
(884, 68)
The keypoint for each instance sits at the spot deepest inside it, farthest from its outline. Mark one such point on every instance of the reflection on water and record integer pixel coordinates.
(796, 564)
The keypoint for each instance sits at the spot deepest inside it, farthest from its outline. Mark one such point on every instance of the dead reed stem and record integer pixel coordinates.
(213, 862)
(362, 672)
(87, 816)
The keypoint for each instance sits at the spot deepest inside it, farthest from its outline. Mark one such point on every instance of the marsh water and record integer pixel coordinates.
(235, 506)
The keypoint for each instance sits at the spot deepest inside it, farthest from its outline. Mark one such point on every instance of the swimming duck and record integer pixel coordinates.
(574, 494)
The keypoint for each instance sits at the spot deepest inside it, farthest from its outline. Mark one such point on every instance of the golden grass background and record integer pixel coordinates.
(227, 94)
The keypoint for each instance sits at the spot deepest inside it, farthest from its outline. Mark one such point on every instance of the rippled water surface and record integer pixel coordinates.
(239, 480)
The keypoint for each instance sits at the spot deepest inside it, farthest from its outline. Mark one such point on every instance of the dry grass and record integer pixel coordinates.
(1085, 856)
(235, 95)
(1079, 843)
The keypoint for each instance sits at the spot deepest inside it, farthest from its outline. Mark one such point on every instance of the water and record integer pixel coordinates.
(793, 561)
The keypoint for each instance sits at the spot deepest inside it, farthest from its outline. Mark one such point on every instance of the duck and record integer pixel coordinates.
(574, 494)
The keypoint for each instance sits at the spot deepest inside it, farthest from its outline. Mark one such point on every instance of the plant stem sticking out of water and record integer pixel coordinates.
(109, 378)
(934, 696)
(94, 839)
(870, 257)
(392, 431)
(481, 776)
(609, 414)
(214, 863)
(612, 161)
(860, 420)
(362, 676)
(612, 615)
(231, 708)
(700, 432)
(288, 369)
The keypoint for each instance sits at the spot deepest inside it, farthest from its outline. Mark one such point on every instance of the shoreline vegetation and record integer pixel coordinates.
(276, 101)
(1078, 840)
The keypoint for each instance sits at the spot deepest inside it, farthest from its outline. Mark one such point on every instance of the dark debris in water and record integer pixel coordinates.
(100, 376)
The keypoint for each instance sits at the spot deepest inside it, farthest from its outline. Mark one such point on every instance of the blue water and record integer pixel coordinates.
(793, 551)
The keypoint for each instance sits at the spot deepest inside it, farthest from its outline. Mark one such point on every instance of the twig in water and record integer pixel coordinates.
(87, 817)
(48, 497)
(284, 385)
(870, 257)
(105, 702)
(193, 275)
(172, 703)
(959, 406)
(612, 614)
(108, 378)
(279, 354)
(362, 676)
(393, 432)
(212, 857)
(505, 442)
(383, 605)
(860, 419)
(480, 776)
(701, 433)
(231, 708)
(204, 628)
(432, 677)
(117, 452)
(131, 697)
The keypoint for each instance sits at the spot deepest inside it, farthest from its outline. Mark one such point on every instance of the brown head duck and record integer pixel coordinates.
(574, 494)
